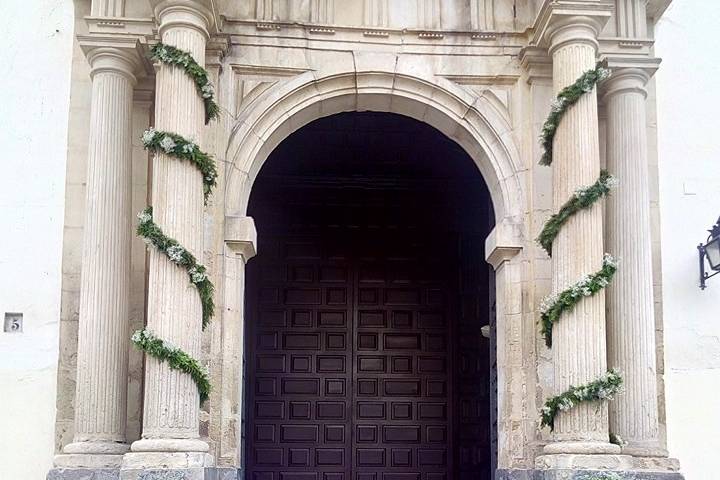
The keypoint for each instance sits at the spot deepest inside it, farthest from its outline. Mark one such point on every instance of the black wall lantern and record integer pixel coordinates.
(711, 252)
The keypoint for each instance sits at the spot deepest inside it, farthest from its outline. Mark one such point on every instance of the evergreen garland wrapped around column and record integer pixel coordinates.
(552, 307)
(176, 146)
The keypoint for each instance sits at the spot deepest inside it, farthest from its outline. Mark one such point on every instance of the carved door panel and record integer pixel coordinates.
(402, 361)
(350, 360)
(299, 362)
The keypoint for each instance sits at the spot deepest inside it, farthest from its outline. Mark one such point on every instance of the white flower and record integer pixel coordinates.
(137, 336)
(207, 91)
(610, 261)
(167, 144)
(148, 136)
(197, 275)
(580, 192)
(566, 404)
(547, 303)
(188, 147)
(175, 252)
(612, 182)
(546, 410)
(603, 73)
(587, 85)
(558, 104)
(144, 216)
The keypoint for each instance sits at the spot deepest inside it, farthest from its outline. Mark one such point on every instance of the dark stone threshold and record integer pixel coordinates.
(213, 473)
(224, 473)
(584, 475)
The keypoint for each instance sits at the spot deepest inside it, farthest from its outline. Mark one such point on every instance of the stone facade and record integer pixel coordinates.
(483, 72)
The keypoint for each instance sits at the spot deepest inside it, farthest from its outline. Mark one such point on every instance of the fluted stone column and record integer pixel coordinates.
(102, 353)
(170, 437)
(631, 319)
(579, 348)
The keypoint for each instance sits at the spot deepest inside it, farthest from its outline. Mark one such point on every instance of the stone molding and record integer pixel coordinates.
(503, 243)
(241, 236)
(537, 63)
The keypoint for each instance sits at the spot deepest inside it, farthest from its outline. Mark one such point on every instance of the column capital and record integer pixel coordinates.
(561, 22)
(241, 236)
(123, 56)
(199, 15)
(629, 75)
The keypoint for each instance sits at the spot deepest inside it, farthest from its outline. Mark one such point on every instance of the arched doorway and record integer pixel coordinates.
(364, 354)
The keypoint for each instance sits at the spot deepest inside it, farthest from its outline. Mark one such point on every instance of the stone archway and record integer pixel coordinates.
(475, 124)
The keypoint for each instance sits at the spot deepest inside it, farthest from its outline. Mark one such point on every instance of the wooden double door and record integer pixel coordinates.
(359, 365)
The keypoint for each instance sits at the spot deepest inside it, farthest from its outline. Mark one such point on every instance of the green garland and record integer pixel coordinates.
(164, 351)
(583, 198)
(604, 388)
(180, 58)
(553, 306)
(175, 145)
(180, 256)
(567, 97)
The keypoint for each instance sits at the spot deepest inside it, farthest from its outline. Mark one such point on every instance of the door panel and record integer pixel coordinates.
(351, 350)
(299, 363)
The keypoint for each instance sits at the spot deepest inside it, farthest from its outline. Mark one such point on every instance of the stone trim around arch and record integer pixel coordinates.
(476, 125)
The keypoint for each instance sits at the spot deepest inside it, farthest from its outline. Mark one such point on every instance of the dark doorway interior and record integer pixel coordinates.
(364, 357)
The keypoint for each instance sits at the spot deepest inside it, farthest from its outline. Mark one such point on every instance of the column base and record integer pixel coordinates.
(94, 455)
(639, 450)
(208, 473)
(581, 448)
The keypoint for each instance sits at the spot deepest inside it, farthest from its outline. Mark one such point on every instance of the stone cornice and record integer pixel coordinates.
(656, 8)
(120, 25)
(537, 63)
(561, 21)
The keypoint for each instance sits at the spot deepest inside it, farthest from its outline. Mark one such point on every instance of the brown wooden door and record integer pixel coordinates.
(349, 360)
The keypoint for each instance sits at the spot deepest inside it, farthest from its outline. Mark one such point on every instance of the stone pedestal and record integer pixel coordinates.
(103, 337)
(579, 351)
(631, 319)
(170, 437)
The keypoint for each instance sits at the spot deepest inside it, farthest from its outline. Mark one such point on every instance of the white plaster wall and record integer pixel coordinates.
(689, 158)
(35, 84)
